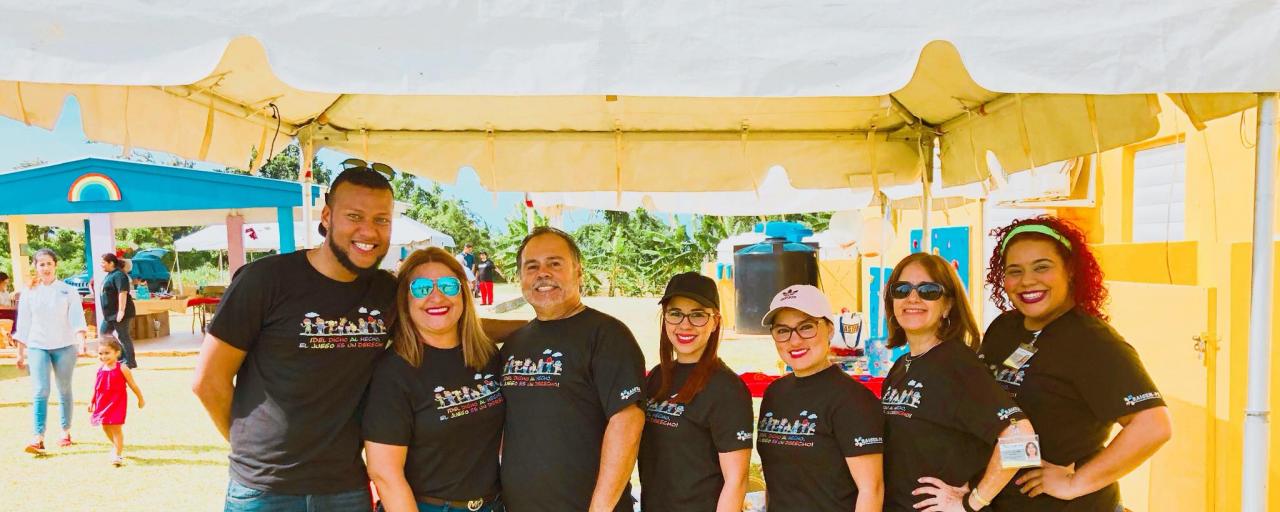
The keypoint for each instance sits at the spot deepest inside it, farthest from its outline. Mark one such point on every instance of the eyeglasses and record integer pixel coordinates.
(356, 163)
(696, 318)
(928, 290)
(782, 333)
(421, 287)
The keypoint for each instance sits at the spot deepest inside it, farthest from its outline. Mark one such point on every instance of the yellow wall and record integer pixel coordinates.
(1211, 263)
(1215, 256)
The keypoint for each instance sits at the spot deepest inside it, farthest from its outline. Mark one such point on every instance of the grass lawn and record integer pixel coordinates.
(175, 460)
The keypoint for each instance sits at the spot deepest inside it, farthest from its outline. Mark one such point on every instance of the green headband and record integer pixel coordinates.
(1033, 228)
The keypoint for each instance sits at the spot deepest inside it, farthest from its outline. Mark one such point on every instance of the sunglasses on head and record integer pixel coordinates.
(927, 290)
(421, 287)
(356, 163)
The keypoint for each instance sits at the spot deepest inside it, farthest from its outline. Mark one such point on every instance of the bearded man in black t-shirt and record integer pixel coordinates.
(572, 380)
(291, 413)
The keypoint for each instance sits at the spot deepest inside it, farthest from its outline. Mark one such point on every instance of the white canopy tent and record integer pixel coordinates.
(572, 95)
(259, 237)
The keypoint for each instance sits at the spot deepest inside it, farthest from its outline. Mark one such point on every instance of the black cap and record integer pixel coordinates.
(695, 286)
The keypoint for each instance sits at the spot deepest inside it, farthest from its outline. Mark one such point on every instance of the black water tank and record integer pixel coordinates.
(764, 269)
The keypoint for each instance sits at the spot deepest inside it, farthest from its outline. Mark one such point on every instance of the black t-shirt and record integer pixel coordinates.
(679, 453)
(311, 344)
(450, 416)
(112, 285)
(485, 271)
(1082, 378)
(563, 380)
(808, 426)
(943, 414)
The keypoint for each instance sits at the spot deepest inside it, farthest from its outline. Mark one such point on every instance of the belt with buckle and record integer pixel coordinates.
(472, 505)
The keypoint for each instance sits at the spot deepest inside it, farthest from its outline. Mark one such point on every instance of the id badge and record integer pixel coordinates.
(1020, 451)
(1020, 356)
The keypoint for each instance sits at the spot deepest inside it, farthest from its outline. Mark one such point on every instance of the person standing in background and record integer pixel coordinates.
(486, 271)
(117, 307)
(50, 322)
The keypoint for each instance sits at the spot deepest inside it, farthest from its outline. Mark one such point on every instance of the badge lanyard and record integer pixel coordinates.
(1023, 353)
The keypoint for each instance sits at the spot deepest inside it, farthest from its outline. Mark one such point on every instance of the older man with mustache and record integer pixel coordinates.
(572, 380)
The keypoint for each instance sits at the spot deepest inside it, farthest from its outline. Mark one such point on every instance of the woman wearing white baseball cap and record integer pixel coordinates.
(820, 435)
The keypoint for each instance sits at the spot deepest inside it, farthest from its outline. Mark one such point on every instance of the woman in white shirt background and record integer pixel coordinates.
(50, 329)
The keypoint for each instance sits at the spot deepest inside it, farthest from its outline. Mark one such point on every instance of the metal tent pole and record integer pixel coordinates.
(1257, 411)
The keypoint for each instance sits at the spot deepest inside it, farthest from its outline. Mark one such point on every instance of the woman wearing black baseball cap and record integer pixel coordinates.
(696, 445)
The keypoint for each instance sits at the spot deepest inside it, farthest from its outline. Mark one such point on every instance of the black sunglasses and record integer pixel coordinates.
(928, 290)
(356, 163)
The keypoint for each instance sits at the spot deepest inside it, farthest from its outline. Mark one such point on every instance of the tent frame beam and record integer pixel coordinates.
(1257, 427)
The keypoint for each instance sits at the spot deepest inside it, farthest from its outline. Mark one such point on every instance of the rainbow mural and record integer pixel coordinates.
(93, 187)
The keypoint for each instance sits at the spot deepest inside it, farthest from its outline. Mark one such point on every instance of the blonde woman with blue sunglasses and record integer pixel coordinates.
(434, 412)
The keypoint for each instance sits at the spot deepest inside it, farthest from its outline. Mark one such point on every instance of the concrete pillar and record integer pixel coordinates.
(284, 225)
(235, 243)
(21, 263)
(102, 237)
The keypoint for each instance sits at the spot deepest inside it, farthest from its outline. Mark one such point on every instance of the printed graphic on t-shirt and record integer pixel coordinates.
(535, 373)
(902, 401)
(365, 331)
(798, 431)
(1009, 378)
(663, 413)
(1132, 400)
(454, 403)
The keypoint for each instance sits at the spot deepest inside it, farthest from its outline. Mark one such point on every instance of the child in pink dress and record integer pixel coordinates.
(110, 402)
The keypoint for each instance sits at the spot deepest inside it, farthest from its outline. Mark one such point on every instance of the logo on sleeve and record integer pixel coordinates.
(465, 400)
(1005, 414)
(744, 435)
(628, 393)
(541, 372)
(780, 431)
(1132, 400)
(365, 330)
(867, 441)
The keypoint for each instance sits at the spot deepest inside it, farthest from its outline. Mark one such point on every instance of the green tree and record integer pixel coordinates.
(449, 215)
(286, 165)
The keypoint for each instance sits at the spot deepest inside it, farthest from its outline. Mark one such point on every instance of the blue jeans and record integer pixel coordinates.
(62, 361)
(121, 330)
(241, 498)
(494, 506)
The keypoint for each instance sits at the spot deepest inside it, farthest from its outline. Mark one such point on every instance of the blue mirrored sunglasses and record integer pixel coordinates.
(421, 287)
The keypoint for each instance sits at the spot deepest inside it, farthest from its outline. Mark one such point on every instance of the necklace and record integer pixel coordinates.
(910, 358)
(573, 311)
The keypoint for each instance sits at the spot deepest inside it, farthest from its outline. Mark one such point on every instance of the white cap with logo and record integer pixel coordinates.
(807, 299)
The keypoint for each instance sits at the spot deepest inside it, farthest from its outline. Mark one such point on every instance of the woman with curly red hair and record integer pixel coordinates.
(1072, 374)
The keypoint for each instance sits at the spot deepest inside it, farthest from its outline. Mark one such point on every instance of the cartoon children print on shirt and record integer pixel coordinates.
(366, 331)
(663, 412)
(788, 431)
(531, 372)
(453, 403)
(902, 401)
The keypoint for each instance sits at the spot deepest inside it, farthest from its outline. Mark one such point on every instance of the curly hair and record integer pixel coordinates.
(1084, 273)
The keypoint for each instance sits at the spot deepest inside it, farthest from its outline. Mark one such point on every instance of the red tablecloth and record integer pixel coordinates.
(757, 382)
(202, 301)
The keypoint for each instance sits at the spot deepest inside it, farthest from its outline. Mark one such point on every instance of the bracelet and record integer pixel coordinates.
(981, 501)
(964, 502)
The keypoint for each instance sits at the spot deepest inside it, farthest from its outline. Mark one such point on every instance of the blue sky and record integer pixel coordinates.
(20, 143)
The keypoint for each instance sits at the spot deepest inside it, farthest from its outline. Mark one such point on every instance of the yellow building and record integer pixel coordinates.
(1179, 283)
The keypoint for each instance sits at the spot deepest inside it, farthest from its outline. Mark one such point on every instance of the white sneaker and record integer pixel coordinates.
(117, 460)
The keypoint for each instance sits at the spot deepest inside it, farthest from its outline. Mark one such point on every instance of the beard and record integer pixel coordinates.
(345, 259)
